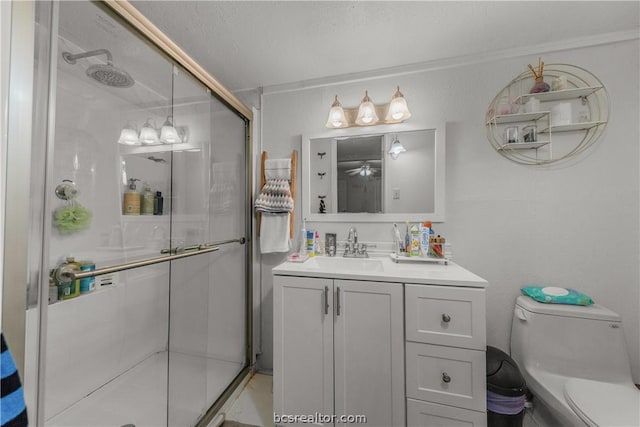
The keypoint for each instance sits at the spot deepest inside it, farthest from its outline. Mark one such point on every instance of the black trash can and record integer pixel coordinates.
(506, 390)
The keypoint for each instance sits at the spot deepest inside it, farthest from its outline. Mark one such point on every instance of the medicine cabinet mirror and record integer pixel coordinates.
(353, 177)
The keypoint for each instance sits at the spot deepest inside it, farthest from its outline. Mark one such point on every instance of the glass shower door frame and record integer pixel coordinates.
(31, 115)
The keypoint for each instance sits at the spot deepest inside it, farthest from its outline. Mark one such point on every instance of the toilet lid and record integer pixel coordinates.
(603, 404)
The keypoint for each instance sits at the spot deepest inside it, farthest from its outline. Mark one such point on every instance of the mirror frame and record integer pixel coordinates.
(439, 200)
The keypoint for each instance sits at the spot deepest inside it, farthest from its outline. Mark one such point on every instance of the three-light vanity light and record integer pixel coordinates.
(395, 111)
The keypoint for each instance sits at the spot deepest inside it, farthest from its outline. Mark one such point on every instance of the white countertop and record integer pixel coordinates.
(381, 269)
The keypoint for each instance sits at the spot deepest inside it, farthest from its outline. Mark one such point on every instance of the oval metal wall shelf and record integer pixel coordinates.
(583, 90)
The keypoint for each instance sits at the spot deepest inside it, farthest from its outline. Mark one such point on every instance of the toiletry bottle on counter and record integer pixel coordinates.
(425, 233)
(415, 240)
(158, 201)
(131, 204)
(311, 242)
(147, 201)
(302, 250)
(407, 242)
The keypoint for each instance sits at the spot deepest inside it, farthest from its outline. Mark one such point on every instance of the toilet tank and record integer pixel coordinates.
(576, 341)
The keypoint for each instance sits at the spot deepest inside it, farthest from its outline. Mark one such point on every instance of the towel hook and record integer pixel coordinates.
(322, 154)
(321, 174)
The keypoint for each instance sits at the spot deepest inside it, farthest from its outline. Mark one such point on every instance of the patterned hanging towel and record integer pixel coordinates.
(13, 412)
(275, 197)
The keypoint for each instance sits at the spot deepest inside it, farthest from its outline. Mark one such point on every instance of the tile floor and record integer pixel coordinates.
(255, 403)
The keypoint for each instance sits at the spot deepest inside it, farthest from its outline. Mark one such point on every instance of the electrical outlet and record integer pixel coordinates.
(396, 194)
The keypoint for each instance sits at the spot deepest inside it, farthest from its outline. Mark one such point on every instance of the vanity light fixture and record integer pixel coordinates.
(396, 148)
(148, 134)
(398, 109)
(336, 118)
(129, 135)
(168, 133)
(367, 114)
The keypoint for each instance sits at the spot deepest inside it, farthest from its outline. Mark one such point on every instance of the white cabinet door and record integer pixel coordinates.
(302, 346)
(425, 414)
(369, 352)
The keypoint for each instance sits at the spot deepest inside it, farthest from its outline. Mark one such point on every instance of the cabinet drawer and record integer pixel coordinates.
(426, 414)
(446, 315)
(447, 375)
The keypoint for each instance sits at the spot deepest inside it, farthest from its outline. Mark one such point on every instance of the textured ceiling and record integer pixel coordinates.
(248, 44)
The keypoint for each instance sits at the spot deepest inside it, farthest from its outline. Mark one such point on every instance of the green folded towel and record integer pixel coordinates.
(552, 295)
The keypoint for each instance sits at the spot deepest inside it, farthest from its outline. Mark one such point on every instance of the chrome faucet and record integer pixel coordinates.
(354, 249)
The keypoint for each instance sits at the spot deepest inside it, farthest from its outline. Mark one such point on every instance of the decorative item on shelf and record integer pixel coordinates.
(504, 107)
(530, 133)
(73, 217)
(583, 114)
(321, 174)
(396, 148)
(367, 114)
(321, 155)
(511, 135)
(559, 83)
(561, 114)
(540, 85)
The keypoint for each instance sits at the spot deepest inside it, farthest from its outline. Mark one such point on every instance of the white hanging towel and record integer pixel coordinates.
(274, 233)
(277, 169)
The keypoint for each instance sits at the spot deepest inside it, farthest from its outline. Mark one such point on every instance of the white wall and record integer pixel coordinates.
(573, 225)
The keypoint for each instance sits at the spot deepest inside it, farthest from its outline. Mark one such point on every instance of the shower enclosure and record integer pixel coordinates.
(138, 225)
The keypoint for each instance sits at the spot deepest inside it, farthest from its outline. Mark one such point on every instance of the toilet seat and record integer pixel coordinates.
(603, 404)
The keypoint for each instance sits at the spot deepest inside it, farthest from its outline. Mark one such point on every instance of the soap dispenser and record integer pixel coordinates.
(131, 205)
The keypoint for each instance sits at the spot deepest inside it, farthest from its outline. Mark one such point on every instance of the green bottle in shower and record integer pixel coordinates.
(147, 201)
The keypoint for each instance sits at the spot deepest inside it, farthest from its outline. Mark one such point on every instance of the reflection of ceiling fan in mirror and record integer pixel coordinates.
(364, 170)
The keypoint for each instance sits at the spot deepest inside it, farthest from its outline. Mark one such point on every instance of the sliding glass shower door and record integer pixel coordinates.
(144, 163)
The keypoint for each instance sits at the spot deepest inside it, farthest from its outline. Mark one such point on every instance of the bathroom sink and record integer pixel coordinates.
(345, 264)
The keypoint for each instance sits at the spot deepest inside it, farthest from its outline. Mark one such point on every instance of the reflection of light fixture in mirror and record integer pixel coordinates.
(129, 136)
(398, 109)
(365, 171)
(367, 112)
(168, 133)
(148, 134)
(396, 148)
(336, 118)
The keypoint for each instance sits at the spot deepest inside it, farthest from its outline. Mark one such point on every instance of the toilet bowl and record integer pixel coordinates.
(575, 363)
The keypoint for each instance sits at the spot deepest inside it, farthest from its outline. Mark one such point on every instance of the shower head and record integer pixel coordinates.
(106, 74)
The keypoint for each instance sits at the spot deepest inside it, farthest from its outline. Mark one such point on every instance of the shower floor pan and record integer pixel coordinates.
(138, 396)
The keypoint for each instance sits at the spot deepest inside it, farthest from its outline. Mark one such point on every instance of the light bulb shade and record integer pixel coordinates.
(398, 109)
(337, 118)
(396, 148)
(169, 134)
(367, 112)
(148, 134)
(129, 136)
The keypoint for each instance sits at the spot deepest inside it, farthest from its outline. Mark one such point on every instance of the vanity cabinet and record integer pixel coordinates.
(403, 345)
(339, 349)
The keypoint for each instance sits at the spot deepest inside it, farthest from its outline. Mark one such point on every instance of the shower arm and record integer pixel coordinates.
(71, 59)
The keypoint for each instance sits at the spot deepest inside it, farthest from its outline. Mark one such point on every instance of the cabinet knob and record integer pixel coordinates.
(446, 378)
(446, 318)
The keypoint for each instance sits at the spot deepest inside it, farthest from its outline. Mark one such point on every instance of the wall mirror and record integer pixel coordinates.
(357, 177)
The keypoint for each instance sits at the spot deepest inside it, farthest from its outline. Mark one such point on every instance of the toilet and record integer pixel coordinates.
(575, 363)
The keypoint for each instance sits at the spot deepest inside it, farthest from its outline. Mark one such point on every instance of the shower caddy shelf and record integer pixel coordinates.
(583, 86)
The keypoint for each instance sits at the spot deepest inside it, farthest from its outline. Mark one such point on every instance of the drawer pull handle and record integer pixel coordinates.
(446, 318)
(446, 378)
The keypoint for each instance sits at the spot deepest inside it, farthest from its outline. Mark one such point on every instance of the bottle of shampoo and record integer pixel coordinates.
(158, 201)
(147, 201)
(131, 204)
